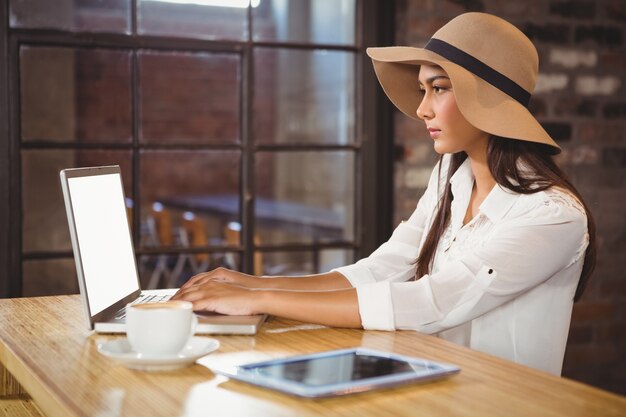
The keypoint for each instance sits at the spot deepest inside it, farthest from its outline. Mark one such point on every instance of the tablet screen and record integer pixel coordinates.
(336, 369)
(338, 372)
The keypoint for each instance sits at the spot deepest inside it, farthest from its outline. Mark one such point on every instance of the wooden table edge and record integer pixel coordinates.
(32, 384)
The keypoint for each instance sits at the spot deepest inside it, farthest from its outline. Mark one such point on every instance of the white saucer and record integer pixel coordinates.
(121, 351)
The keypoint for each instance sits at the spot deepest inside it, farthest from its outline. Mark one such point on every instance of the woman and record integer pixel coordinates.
(500, 244)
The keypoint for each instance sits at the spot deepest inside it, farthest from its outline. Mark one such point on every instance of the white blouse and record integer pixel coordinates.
(503, 283)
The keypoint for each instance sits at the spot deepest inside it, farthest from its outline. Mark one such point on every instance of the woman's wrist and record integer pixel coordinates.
(262, 300)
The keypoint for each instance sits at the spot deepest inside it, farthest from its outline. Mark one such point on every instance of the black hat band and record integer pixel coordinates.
(476, 67)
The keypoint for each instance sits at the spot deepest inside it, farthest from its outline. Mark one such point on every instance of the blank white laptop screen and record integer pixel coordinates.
(103, 238)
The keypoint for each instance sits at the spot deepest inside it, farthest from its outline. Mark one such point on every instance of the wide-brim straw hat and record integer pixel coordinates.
(492, 66)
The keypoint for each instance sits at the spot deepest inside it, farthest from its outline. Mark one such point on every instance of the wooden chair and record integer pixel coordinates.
(197, 236)
(159, 233)
(232, 236)
(163, 222)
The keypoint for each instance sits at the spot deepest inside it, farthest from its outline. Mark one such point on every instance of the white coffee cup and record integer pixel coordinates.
(160, 329)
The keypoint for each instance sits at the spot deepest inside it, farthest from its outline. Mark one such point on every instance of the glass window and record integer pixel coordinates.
(295, 263)
(304, 197)
(172, 271)
(206, 19)
(72, 15)
(180, 186)
(182, 200)
(75, 95)
(175, 104)
(44, 222)
(189, 98)
(305, 21)
(304, 96)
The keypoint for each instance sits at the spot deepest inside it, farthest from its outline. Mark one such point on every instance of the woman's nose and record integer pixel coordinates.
(424, 111)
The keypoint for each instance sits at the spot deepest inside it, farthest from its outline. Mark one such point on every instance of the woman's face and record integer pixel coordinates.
(450, 131)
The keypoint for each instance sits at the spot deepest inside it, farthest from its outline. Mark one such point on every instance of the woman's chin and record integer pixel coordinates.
(441, 148)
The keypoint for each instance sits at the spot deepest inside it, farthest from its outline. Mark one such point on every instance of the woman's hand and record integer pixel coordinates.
(226, 276)
(219, 296)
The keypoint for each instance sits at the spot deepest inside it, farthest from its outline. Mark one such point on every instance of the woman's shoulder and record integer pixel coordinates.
(552, 204)
(556, 213)
(564, 197)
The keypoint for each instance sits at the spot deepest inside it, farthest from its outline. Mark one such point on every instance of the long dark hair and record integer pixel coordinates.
(503, 156)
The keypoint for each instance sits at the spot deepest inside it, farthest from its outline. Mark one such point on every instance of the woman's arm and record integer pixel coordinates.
(319, 282)
(337, 308)
(331, 308)
(329, 298)
(527, 246)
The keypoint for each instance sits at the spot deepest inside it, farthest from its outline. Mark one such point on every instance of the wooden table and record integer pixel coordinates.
(44, 344)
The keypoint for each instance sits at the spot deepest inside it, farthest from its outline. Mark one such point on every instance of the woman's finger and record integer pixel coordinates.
(219, 274)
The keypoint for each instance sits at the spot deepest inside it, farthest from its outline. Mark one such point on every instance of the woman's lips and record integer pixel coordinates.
(434, 133)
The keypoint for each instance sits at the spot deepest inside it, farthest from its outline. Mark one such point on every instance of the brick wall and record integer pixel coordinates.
(580, 100)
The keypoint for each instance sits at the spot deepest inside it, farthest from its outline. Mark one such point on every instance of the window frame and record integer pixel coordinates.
(373, 143)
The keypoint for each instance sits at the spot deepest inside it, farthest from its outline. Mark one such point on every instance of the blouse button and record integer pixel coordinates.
(490, 271)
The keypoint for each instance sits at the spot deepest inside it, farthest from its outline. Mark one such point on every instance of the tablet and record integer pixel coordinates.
(338, 372)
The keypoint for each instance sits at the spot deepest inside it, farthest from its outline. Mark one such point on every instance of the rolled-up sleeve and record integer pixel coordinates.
(521, 253)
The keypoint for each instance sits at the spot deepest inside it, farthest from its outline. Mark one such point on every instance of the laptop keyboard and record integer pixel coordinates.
(146, 298)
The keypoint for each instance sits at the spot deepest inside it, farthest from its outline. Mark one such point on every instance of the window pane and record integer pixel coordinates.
(180, 196)
(44, 225)
(304, 263)
(73, 15)
(172, 271)
(304, 96)
(49, 277)
(75, 95)
(305, 21)
(190, 98)
(304, 196)
(206, 19)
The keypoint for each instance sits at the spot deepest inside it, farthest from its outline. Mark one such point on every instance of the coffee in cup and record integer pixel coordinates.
(160, 329)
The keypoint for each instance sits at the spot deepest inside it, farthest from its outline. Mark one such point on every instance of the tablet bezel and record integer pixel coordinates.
(246, 373)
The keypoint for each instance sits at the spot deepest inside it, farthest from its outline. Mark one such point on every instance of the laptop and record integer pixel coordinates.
(105, 258)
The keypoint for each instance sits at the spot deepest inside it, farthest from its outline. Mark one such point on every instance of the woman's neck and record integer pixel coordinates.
(484, 181)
